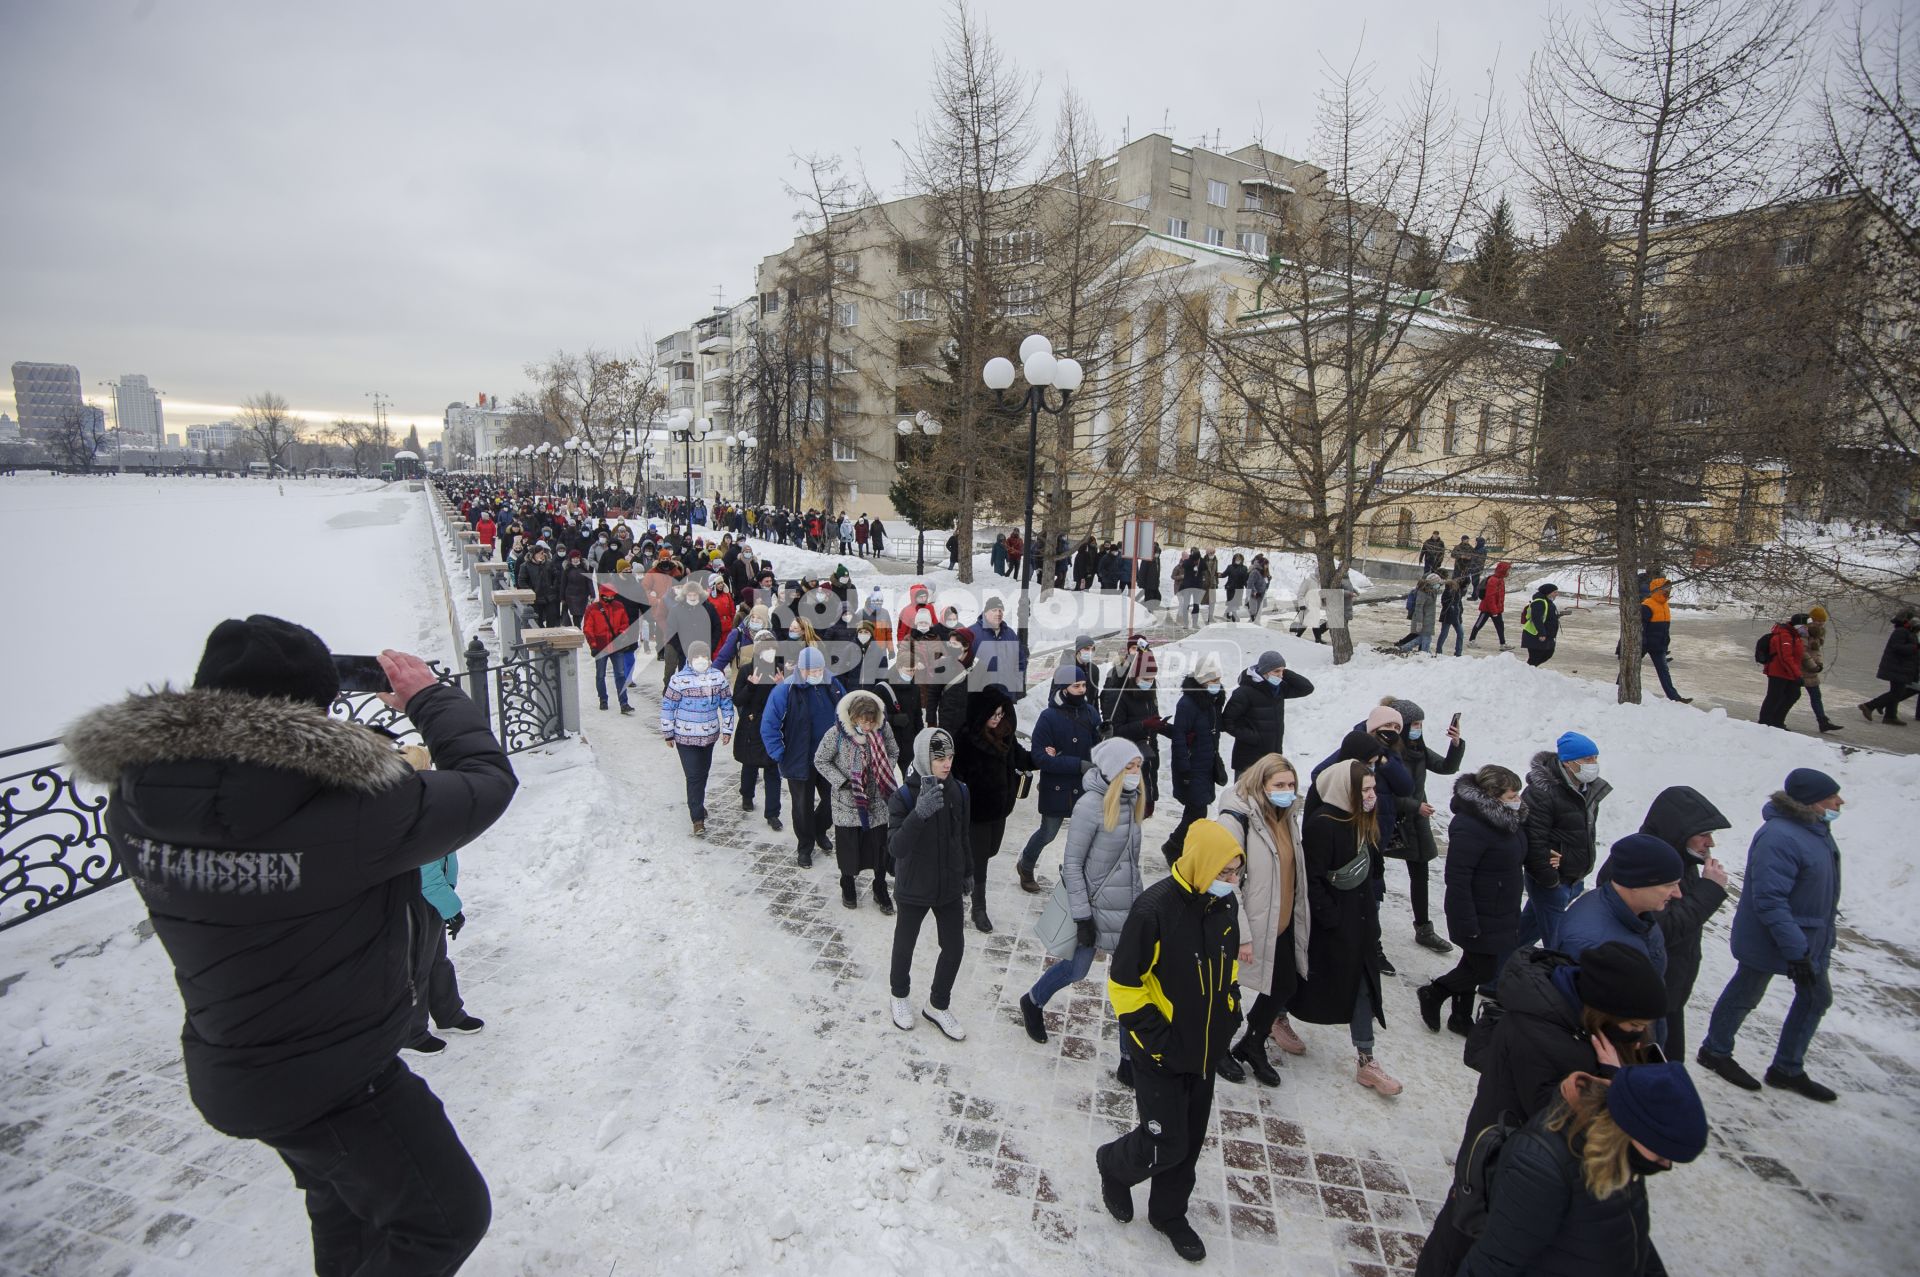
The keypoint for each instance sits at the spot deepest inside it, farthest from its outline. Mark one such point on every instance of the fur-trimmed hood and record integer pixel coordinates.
(1779, 804)
(171, 726)
(857, 701)
(1470, 799)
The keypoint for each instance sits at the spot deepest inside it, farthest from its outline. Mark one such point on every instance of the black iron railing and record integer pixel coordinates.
(53, 837)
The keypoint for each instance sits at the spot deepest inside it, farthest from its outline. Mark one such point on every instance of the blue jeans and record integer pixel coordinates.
(622, 663)
(1546, 906)
(1361, 1028)
(1659, 660)
(1743, 994)
(1061, 974)
(696, 761)
(1048, 831)
(1440, 644)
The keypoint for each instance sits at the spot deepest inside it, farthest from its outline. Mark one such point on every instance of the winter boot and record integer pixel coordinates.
(1431, 996)
(1802, 1083)
(902, 1009)
(1124, 1074)
(880, 896)
(1229, 1068)
(1460, 1018)
(981, 922)
(746, 802)
(624, 708)
(1380, 959)
(1284, 1037)
(699, 827)
(1027, 881)
(942, 1019)
(1252, 1052)
(1427, 938)
(1033, 1018)
(847, 896)
(773, 823)
(603, 705)
(1866, 713)
(426, 1044)
(466, 1024)
(1727, 1067)
(1117, 1196)
(1186, 1242)
(1370, 1075)
(805, 855)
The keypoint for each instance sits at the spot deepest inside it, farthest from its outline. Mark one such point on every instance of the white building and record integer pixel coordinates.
(136, 409)
(476, 428)
(215, 438)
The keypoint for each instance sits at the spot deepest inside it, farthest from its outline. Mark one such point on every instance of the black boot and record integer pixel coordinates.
(1186, 1242)
(1802, 1083)
(806, 856)
(1116, 1195)
(1727, 1067)
(1031, 1015)
(981, 922)
(880, 896)
(1252, 1051)
(1229, 1068)
(1427, 938)
(1431, 996)
(847, 896)
(1380, 958)
(1460, 1019)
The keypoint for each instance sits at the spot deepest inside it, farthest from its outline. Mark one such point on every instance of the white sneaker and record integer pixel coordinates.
(902, 1012)
(944, 1021)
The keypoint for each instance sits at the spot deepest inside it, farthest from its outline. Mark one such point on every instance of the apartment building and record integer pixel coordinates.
(44, 395)
(706, 369)
(137, 412)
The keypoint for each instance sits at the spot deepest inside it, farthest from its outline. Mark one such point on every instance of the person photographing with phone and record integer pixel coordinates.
(278, 852)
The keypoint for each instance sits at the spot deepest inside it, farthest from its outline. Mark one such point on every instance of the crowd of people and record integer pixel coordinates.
(894, 742)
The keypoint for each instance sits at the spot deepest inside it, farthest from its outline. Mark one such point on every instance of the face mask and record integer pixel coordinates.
(1130, 781)
(699, 664)
(1145, 685)
(794, 634)
(921, 625)
(1218, 888)
(1369, 802)
(1414, 733)
(1215, 688)
(1073, 698)
(815, 677)
(1282, 799)
(864, 639)
(1641, 1164)
(1274, 680)
(1587, 773)
(1515, 805)
(1086, 655)
(1829, 816)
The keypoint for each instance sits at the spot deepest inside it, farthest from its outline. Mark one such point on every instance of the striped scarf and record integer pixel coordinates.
(875, 767)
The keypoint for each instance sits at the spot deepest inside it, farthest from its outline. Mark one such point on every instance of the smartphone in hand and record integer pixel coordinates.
(361, 674)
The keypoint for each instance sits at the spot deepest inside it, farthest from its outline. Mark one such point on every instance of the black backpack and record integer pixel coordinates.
(1473, 1175)
(1763, 648)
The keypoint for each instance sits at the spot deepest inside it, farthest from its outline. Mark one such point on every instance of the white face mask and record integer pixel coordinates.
(1369, 802)
(1130, 781)
(815, 677)
(699, 665)
(1511, 806)
(921, 625)
(1086, 656)
(1587, 773)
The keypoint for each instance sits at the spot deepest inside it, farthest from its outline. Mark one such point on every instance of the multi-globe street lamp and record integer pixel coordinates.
(1043, 371)
(744, 444)
(689, 429)
(925, 423)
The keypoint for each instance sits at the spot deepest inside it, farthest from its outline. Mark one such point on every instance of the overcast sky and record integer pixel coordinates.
(420, 197)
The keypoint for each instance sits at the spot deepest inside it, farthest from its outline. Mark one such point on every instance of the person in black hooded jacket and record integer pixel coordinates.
(278, 853)
(1197, 768)
(988, 760)
(1130, 709)
(1681, 817)
(1256, 713)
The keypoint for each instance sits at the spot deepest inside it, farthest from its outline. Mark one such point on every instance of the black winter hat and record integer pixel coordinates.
(1620, 980)
(266, 656)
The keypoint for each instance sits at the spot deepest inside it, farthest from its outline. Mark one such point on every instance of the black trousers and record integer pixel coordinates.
(391, 1191)
(1499, 626)
(986, 837)
(438, 984)
(953, 942)
(1468, 974)
(1269, 1004)
(1782, 695)
(1676, 1047)
(1417, 889)
(1174, 1108)
(750, 777)
(1539, 654)
(1176, 841)
(812, 810)
(1888, 705)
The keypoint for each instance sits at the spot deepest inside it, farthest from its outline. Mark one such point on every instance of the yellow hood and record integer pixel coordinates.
(1208, 849)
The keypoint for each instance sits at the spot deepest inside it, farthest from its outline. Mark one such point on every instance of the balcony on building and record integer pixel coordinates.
(673, 347)
(719, 372)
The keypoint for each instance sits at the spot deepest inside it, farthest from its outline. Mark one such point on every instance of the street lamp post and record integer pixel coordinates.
(926, 423)
(746, 444)
(1042, 370)
(689, 430)
(573, 448)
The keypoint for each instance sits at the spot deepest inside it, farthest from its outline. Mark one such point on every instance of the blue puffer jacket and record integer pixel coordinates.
(437, 879)
(1600, 917)
(797, 718)
(1790, 900)
(999, 656)
(1072, 733)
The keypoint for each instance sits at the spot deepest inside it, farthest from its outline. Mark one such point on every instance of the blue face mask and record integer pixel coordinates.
(1145, 685)
(1218, 888)
(1829, 816)
(1283, 799)
(1275, 679)
(1414, 733)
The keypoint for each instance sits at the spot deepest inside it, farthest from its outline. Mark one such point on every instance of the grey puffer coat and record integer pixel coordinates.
(1102, 866)
(841, 753)
(1260, 891)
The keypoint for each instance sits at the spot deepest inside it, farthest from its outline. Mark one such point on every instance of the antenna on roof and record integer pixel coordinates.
(1166, 121)
(719, 296)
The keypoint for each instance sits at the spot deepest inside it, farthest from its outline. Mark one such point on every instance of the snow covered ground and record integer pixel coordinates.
(688, 1066)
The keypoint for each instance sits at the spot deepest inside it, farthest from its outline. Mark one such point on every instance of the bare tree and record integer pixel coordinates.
(1657, 119)
(77, 438)
(270, 426)
(367, 443)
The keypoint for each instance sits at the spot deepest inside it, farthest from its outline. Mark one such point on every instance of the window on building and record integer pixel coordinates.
(1214, 236)
(847, 267)
(1404, 534)
(1516, 429)
(1251, 201)
(960, 252)
(1656, 270)
(770, 302)
(1486, 428)
(844, 451)
(683, 372)
(1254, 242)
(1450, 432)
(1216, 193)
(1413, 434)
(1180, 181)
(913, 256)
(1649, 323)
(846, 314)
(1022, 299)
(1550, 532)
(1177, 227)
(913, 305)
(1794, 250)
(1015, 248)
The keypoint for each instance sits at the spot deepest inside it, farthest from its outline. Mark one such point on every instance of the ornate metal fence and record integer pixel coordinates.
(53, 837)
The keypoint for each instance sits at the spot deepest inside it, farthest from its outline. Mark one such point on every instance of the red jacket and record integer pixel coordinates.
(1493, 591)
(485, 529)
(723, 604)
(1788, 649)
(605, 621)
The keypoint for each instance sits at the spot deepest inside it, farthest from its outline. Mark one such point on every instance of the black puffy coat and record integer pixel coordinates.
(1542, 1220)
(1537, 1040)
(1412, 832)
(1345, 927)
(1677, 814)
(1486, 859)
(576, 586)
(1132, 712)
(1560, 818)
(1256, 716)
(1900, 659)
(544, 580)
(749, 703)
(278, 852)
(1197, 769)
(991, 774)
(932, 855)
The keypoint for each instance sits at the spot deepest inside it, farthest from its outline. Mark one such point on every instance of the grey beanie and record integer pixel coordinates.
(930, 744)
(1269, 661)
(1409, 712)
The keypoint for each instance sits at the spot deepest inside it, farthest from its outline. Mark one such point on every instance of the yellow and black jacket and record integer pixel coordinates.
(1174, 975)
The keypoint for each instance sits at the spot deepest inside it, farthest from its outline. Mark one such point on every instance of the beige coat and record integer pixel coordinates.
(1812, 662)
(1260, 892)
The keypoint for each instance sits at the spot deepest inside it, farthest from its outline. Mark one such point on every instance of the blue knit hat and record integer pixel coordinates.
(811, 659)
(1641, 860)
(1658, 1105)
(1572, 745)
(1806, 785)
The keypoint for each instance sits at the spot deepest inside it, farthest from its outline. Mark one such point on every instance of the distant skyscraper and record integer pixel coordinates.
(44, 395)
(137, 408)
